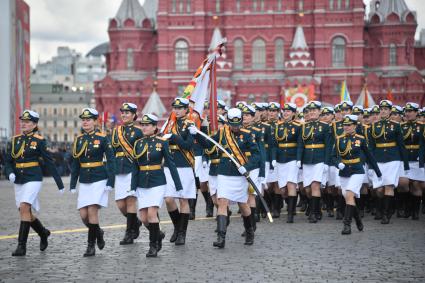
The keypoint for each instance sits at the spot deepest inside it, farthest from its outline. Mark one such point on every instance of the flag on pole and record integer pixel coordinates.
(345, 95)
(390, 96)
(365, 98)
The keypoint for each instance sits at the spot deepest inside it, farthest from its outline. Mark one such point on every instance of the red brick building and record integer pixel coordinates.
(272, 45)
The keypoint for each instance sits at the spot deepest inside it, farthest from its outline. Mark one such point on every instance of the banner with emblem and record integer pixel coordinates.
(300, 95)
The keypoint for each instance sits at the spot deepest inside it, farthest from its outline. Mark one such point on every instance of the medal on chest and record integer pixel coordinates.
(96, 143)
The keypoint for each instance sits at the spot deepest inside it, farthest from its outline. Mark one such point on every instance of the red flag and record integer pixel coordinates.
(213, 98)
(390, 95)
(366, 98)
(282, 98)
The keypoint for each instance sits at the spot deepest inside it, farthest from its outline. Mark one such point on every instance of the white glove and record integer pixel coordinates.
(108, 189)
(131, 192)
(204, 164)
(167, 136)
(61, 191)
(341, 166)
(299, 164)
(274, 163)
(242, 170)
(73, 191)
(12, 178)
(193, 130)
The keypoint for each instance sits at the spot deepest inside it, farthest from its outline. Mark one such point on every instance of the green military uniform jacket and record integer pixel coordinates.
(286, 137)
(386, 142)
(349, 151)
(87, 164)
(413, 139)
(181, 144)
(123, 139)
(24, 157)
(259, 140)
(315, 143)
(241, 145)
(148, 171)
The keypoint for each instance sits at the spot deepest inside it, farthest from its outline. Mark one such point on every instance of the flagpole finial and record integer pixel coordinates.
(154, 85)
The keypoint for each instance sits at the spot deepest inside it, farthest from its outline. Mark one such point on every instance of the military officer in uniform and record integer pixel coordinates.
(96, 179)
(284, 155)
(232, 185)
(149, 180)
(349, 149)
(122, 140)
(386, 141)
(181, 147)
(409, 188)
(314, 157)
(22, 167)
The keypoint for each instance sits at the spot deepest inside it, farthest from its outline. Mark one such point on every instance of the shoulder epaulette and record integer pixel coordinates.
(366, 126)
(245, 131)
(17, 136)
(402, 123)
(161, 138)
(323, 123)
(38, 136)
(296, 123)
(359, 136)
(395, 122)
(420, 122)
(256, 129)
(340, 136)
(100, 134)
(265, 124)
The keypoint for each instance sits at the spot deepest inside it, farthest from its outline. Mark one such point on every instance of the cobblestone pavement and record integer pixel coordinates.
(282, 252)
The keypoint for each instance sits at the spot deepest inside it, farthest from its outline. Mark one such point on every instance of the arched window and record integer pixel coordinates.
(188, 7)
(347, 4)
(339, 5)
(174, 6)
(338, 52)
(279, 5)
(181, 55)
(217, 6)
(331, 4)
(279, 55)
(262, 5)
(238, 5)
(181, 7)
(130, 59)
(258, 54)
(238, 54)
(254, 5)
(393, 54)
(301, 5)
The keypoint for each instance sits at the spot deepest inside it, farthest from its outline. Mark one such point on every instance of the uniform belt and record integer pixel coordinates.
(311, 146)
(174, 147)
(390, 144)
(120, 154)
(91, 164)
(412, 146)
(287, 145)
(149, 167)
(351, 161)
(247, 154)
(215, 161)
(27, 164)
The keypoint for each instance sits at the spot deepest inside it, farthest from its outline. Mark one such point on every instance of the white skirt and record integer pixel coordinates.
(287, 172)
(366, 176)
(28, 193)
(253, 174)
(390, 174)
(300, 176)
(267, 172)
(92, 193)
(272, 176)
(187, 179)
(212, 184)
(233, 188)
(122, 186)
(151, 196)
(353, 184)
(415, 173)
(333, 172)
(313, 173)
(200, 171)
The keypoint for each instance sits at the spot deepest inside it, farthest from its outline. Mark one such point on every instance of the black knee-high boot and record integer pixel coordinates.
(361, 204)
(347, 220)
(24, 229)
(315, 202)
(129, 231)
(153, 240)
(423, 203)
(330, 207)
(209, 205)
(249, 231)
(292, 202)
(175, 216)
(99, 237)
(258, 204)
(386, 212)
(378, 207)
(221, 231)
(181, 235)
(341, 207)
(357, 218)
(42, 232)
(91, 250)
(415, 207)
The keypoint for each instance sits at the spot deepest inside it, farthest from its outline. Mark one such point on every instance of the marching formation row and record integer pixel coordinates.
(260, 155)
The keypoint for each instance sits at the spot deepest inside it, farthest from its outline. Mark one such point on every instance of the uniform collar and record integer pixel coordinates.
(90, 133)
(129, 124)
(28, 134)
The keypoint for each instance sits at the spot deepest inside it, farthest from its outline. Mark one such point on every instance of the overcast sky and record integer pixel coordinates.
(82, 24)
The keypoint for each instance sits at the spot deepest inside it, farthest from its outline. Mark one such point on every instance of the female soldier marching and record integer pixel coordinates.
(123, 139)
(24, 171)
(149, 179)
(232, 185)
(96, 179)
(286, 136)
(350, 149)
